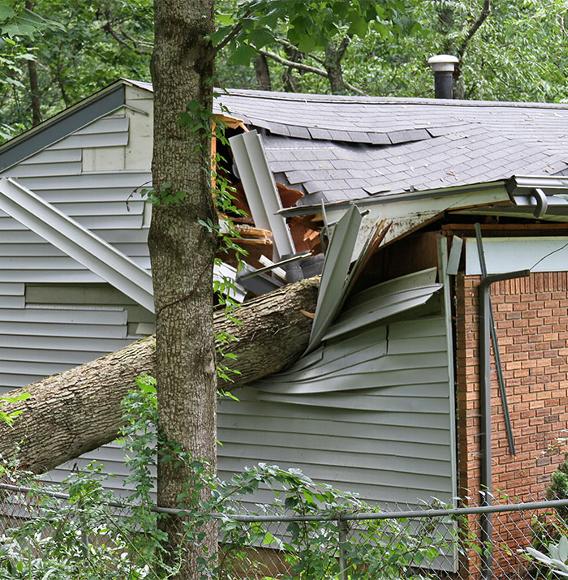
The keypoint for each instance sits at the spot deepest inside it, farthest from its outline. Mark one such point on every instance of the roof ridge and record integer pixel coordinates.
(384, 100)
(369, 99)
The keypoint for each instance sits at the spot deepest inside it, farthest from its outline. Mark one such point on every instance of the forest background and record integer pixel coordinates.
(56, 52)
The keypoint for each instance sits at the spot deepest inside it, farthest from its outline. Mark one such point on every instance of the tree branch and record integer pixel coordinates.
(306, 68)
(476, 25)
(292, 64)
(342, 47)
(235, 31)
(287, 44)
(334, 54)
(132, 45)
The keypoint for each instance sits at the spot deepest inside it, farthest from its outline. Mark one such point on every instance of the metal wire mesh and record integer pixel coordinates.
(273, 542)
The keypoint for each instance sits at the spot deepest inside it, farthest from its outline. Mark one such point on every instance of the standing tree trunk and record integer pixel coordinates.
(35, 96)
(262, 71)
(334, 53)
(182, 252)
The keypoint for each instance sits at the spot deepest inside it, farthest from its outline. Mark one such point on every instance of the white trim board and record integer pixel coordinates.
(519, 253)
(77, 242)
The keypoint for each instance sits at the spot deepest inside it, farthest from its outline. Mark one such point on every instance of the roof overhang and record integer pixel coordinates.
(519, 190)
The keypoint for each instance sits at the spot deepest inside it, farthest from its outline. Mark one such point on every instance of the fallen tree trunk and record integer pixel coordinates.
(79, 410)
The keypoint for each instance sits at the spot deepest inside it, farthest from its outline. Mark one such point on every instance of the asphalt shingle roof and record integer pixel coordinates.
(341, 148)
(337, 148)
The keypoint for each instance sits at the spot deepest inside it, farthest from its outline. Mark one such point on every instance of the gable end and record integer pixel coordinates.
(19, 149)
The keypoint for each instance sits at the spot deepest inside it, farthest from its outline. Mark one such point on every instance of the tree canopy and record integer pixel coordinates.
(510, 50)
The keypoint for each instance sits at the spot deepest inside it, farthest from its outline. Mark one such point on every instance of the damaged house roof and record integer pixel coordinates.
(339, 148)
(344, 148)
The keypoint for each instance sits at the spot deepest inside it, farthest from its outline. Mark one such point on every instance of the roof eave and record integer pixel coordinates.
(397, 197)
(518, 187)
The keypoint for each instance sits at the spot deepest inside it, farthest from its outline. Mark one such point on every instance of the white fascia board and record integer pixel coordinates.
(403, 196)
(408, 213)
(538, 254)
(260, 190)
(77, 242)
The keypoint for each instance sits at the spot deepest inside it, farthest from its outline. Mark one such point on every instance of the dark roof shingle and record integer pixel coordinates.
(385, 144)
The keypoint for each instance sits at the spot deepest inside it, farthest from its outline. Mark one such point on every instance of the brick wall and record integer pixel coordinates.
(531, 317)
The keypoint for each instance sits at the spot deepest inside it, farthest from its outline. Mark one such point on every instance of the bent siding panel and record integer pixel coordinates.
(368, 410)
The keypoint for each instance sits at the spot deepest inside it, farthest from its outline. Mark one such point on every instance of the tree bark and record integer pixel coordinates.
(35, 96)
(262, 72)
(79, 410)
(334, 53)
(182, 253)
(288, 77)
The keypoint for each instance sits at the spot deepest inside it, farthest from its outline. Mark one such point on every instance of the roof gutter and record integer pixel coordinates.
(521, 191)
(394, 197)
(538, 192)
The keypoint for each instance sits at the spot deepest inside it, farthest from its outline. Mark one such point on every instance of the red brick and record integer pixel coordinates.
(531, 317)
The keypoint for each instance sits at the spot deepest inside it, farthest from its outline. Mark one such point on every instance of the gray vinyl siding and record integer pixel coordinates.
(37, 340)
(49, 328)
(92, 177)
(369, 409)
(390, 443)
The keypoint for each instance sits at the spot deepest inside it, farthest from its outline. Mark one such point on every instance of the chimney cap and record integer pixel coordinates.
(443, 62)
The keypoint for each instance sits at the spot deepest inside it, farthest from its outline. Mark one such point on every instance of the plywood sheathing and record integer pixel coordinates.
(230, 122)
(411, 254)
(255, 241)
(288, 195)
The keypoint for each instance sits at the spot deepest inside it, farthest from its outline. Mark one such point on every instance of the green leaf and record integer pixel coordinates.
(6, 12)
(262, 37)
(359, 26)
(243, 54)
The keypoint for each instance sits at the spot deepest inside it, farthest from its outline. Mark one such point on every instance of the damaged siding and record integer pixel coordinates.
(370, 410)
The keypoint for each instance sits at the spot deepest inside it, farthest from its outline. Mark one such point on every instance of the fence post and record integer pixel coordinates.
(343, 529)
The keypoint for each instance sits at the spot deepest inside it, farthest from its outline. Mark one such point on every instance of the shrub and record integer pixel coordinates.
(558, 488)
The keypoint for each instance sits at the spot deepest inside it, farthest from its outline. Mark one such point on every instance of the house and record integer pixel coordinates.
(389, 399)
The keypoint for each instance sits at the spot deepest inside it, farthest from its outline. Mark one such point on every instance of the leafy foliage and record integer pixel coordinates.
(9, 416)
(519, 53)
(548, 530)
(558, 488)
(556, 561)
(308, 25)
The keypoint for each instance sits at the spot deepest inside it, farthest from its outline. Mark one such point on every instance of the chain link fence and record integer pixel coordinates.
(266, 542)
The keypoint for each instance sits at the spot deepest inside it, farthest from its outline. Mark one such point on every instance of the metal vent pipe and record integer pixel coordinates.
(443, 66)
